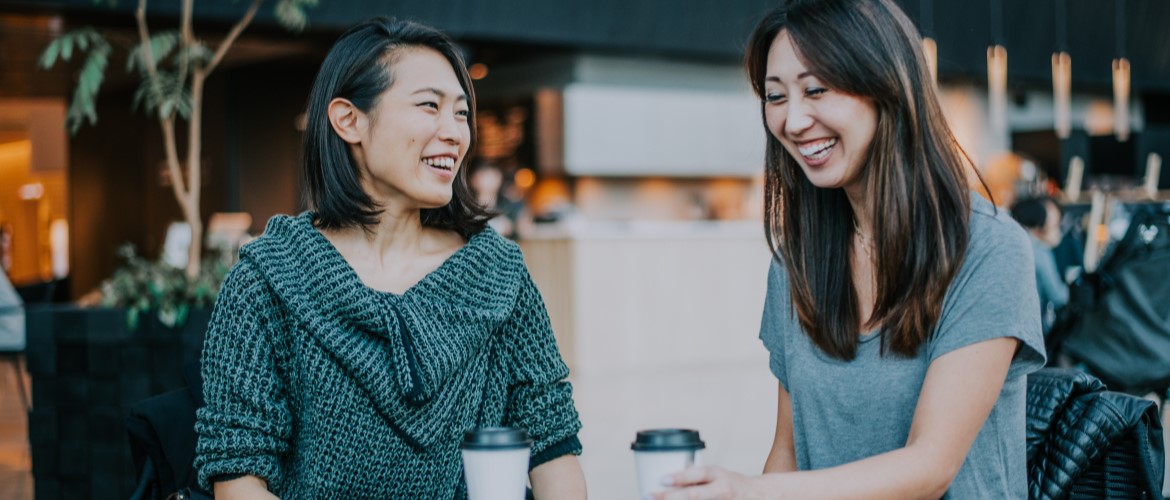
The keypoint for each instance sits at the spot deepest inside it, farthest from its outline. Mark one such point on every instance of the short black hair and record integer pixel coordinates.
(1031, 212)
(359, 67)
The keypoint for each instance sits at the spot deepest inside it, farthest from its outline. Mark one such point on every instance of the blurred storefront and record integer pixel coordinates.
(605, 110)
(629, 149)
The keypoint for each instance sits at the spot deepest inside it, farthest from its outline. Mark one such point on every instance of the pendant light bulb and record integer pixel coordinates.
(1121, 98)
(1062, 93)
(997, 88)
(930, 49)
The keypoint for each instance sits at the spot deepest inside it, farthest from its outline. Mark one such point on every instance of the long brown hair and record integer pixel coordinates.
(915, 179)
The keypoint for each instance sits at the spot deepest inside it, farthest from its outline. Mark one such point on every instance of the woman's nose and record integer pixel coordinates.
(450, 129)
(799, 118)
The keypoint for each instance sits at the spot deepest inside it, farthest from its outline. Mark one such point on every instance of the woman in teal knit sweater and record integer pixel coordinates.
(352, 345)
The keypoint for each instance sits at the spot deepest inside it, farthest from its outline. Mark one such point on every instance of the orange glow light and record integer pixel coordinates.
(524, 178)
(477, 71)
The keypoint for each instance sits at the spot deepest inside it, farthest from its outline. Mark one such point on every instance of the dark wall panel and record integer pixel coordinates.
(267, 100)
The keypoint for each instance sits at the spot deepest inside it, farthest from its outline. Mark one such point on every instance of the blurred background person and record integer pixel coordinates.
(12, 336)
(487, 181)
(1040, 216)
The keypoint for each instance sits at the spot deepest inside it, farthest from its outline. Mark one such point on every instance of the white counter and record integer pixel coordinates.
(659, 322)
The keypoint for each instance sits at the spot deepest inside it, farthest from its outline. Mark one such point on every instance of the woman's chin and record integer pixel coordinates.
(432, 202)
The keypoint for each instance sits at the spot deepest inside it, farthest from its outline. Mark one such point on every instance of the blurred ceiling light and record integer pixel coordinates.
(1121, 98)
(59, 247)
(1099, 117)
(1062, 93)
(997, 87)
(524, 178)
(997, 73)
(1120, 76)
(33, 191)
(55, 24)
(930, 48)
(1061, 76)
(1076, 174)
(478, 71)
(1153, 171)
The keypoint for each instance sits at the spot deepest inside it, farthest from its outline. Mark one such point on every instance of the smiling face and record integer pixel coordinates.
(828, 132)
(412, 143)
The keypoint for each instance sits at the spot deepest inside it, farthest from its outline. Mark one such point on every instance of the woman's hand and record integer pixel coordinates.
(709, 483)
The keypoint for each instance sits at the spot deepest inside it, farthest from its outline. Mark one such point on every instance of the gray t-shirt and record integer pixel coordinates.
(845, 411)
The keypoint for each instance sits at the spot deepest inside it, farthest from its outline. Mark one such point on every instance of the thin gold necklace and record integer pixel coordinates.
(865, 239)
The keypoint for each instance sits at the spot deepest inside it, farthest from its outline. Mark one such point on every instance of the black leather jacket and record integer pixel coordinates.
(1086, 442)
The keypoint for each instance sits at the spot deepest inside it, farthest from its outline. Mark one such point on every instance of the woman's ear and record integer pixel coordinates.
(346, 119)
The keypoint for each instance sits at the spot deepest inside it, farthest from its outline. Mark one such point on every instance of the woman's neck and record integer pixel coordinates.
(398, 233)
(862, 212)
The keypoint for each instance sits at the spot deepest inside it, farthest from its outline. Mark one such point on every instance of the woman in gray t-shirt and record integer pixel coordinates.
(901, 315)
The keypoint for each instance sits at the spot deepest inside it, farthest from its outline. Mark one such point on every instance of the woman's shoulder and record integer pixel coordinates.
(285, 226)
(245, 283)
(777, 275)
(492, 247)
(993, 231)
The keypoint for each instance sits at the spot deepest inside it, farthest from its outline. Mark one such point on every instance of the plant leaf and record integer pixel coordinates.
(181, 313)
(161, 46)
(197, 54)
(62, 46)
(66, 47)
(164, 93)
(132, 319)
(291, 15)
(82, 107)
(49, 56)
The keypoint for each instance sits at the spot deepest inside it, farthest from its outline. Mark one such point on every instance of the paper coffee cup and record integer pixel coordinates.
(495, 463)
(661, 452)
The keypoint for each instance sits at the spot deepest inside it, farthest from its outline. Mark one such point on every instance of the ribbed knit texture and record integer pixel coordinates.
(327, 388)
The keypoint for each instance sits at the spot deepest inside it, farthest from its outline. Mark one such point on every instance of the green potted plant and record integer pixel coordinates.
(89, 365)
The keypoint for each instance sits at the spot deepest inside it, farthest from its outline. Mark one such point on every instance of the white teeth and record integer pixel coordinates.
(817, 150)
(445, 162)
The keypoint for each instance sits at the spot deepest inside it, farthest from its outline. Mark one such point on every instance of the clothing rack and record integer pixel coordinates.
(1096, 214)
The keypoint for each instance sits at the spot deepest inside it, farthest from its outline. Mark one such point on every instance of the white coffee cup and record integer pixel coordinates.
(495, 463)
(661, 452)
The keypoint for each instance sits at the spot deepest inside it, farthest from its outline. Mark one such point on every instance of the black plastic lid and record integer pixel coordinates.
(668, 440)
(496, 438)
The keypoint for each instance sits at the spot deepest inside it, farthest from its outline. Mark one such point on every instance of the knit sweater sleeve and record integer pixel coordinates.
(540, 399)
(246, 425)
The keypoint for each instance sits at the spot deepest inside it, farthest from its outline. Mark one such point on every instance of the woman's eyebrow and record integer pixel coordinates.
(776, 79)
(437, 92)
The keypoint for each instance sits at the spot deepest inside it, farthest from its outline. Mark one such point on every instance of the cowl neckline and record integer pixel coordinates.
(412, 353)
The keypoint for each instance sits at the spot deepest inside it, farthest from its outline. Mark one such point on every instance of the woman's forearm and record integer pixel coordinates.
(905, 473)
(780, 460)
(560, 478)
(243, 488)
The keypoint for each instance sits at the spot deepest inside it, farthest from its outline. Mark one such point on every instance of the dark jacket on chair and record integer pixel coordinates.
(162, 442)
(1086, 442)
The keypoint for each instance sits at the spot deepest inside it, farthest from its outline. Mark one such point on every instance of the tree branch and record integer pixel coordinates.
(195, 140)
(195, 121)
(167, 122)
(186, 39)
(232, 35)
(173, 167)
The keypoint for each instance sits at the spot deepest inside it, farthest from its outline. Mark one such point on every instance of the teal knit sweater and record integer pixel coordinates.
(327, 388)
